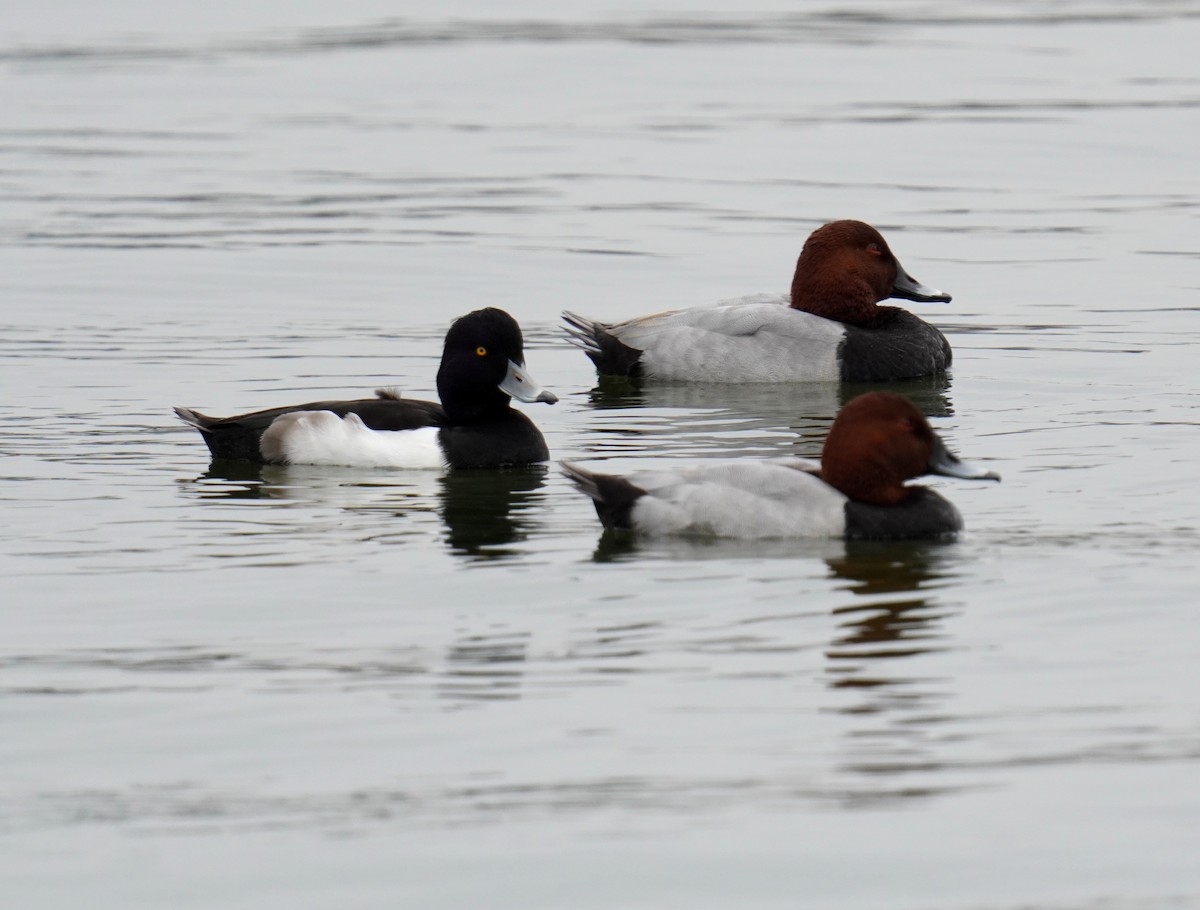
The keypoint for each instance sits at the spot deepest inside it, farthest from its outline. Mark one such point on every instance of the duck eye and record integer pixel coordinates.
(874, 249)
(481, 351)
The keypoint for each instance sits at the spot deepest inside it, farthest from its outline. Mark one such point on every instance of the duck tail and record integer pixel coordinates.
(201, 422)
(613, 496)
(583, 479)
(582, 332)
(611, 356)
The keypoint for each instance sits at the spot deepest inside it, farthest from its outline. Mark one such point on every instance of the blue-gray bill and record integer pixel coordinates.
(518, 384)
(906, 287)
(947, 464)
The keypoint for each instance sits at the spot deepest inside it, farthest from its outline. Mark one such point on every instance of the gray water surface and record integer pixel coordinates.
(299, 687)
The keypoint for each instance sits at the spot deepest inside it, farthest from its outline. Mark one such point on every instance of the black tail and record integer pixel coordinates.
(611, 356)
(613, 496)
(224, 436)
(195, 419)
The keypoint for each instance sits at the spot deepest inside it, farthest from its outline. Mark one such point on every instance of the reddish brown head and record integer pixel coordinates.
(846, 268)
(878, 441)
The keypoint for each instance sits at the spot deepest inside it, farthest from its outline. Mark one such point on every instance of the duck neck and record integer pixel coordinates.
(852, 302)
(474, 408)
(871, 479)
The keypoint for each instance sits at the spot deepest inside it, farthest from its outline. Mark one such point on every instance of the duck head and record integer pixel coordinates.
(483, 367)
(878, 441)
(846, 268)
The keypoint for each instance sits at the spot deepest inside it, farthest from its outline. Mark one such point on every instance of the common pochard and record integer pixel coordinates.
(831, 327)
(857, 491)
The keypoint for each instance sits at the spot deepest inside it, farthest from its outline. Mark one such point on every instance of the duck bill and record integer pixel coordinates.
(518, 384)
(947, 464)
(906, 287)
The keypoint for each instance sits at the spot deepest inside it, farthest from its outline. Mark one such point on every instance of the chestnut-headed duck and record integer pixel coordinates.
(857, 491)
(830, 328)
(482, 369)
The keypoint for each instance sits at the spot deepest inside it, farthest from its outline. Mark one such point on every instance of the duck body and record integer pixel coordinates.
(856, 491)
(239, 437)
(758, 500)
(474, 427)
(761, 338)
(830, 328)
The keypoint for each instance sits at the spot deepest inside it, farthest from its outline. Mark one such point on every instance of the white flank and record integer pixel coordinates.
(740, 499)
(752, 339)
(321, 437)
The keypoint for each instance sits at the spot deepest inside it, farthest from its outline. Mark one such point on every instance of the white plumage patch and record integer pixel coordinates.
(740, 499)
(321, 437)
(752, 339)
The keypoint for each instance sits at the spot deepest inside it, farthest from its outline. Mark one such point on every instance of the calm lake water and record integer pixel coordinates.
(292, 688)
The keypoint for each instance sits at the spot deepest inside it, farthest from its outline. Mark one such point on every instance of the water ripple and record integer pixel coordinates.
(868, 26)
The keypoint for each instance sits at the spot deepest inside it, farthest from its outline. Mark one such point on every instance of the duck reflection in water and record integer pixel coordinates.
(930, 394)
(483, 511)
(736, 420)
(483, 667)
(235, 480)
(486, 511)
(894, 617)
(894, 706)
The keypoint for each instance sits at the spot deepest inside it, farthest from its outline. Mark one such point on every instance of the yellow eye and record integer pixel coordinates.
(481, 351)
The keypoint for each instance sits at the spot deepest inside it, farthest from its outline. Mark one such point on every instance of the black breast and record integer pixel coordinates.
(923, 515)
(508, 440)
(898, 346)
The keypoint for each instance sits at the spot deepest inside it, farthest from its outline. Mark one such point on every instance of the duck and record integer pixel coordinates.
(830, 328)
(482, 370)
(857, 490)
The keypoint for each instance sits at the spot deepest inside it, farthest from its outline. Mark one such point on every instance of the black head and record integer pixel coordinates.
(480, 352)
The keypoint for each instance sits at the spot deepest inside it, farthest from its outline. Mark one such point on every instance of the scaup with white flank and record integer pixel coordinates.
(482, 369)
